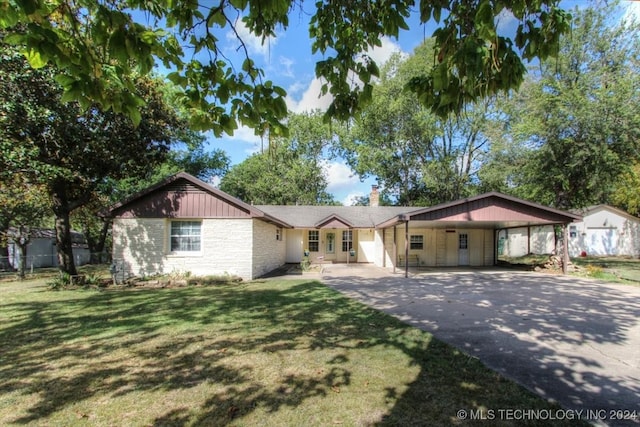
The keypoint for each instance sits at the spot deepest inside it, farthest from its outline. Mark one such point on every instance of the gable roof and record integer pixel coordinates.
(597, 208)
(185, 196)
(334, 221)
(492, 207)
(162, 200)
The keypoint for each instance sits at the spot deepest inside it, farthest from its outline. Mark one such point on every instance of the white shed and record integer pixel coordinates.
(605, 230)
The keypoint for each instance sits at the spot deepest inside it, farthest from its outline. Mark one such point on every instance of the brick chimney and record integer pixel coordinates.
(374, 197)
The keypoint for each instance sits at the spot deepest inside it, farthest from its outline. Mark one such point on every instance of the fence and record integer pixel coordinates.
(35, 263)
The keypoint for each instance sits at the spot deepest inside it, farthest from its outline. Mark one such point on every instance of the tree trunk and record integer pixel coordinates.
(64, 247)
(96, 243)
(5, 264)
(103, 238)
(22, 259)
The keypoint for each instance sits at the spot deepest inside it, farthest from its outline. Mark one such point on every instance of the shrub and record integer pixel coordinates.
(594, 271)
(305, 264)
(60, 282)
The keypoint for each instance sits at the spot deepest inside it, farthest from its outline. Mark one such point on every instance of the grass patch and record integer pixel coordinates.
(612, 269)
(271, 353)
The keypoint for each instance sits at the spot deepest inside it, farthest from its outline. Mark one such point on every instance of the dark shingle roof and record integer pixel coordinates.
(310, 216)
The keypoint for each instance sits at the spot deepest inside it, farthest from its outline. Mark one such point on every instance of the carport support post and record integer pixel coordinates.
(395, 248)
(565, 248)
(406, 249)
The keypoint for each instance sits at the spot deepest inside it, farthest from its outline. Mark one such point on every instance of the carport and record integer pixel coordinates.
(464, 232)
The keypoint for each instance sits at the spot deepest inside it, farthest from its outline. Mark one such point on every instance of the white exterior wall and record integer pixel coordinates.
(366, 248)
(268, 253)
(380, 252)
(605, 232)
(440, 248)
(389, 260)
(42, 252)
(142, 245)
(541, 240)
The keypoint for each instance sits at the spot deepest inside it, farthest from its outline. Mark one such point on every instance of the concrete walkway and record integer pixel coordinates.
(570, 340)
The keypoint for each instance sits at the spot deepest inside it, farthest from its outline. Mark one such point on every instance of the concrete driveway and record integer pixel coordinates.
(570, 340)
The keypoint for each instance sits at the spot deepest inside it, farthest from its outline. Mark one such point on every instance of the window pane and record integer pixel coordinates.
(416, 242)
(185, 236)
(463, 239)
(314, 245)
(347, 240)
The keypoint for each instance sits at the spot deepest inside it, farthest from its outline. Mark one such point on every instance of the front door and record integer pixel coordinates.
(463, 249)
(330, 246)
(294, 246)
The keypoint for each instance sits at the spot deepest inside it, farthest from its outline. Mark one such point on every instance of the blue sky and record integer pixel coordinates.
(287, 61)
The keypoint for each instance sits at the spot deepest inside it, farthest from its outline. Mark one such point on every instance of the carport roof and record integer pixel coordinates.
(489, 210)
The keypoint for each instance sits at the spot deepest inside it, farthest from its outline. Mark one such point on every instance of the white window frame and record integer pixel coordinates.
(316, 240)
(278, 233)
(192, 234)
(347, 240)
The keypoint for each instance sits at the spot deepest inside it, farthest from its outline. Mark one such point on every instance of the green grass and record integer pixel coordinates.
(613, 269)
(270, 353)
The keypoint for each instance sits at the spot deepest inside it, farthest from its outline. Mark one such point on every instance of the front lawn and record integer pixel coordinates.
(279, 353)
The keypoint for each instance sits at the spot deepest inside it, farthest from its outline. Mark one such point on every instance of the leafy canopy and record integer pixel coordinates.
(101, 44)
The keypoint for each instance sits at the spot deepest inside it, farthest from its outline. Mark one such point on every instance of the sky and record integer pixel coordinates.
(287, 61)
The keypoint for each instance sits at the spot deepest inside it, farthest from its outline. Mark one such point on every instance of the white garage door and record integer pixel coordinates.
(601, 241)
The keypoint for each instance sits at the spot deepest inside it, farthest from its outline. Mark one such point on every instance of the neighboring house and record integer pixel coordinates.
(183, 224)
(42, 251)
(605, 230)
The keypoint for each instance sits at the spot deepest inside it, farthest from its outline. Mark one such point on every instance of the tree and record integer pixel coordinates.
(578, 116)
(100, 45)
(625, 193)
(206, 165)
(291, 170)
(70, 150)
(23, 208)
(418, 157)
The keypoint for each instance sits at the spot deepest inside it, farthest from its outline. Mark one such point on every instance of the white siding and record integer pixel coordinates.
(606, 232)
(380, 250)
(389, 254)
(489, 247)
(522, 241)
(366, 245)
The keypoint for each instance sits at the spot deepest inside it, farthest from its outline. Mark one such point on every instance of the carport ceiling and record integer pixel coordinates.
(490, 225)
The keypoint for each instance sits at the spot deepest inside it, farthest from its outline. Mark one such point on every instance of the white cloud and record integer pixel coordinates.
(632, 11)
(383, 53)
(254, 44)
(311, 99)
(244, 137)
(506, 22)
(286, 66)
(339, 176)
(351, 198)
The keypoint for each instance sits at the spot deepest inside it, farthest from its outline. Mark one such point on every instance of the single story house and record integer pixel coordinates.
(183, 224)
(42, 251)
(604, 230)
